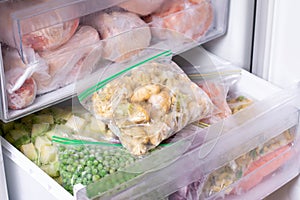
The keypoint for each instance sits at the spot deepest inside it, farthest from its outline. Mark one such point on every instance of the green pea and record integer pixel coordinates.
(89, 163)
(103, 173)
(94, 171)
(69, 168)
(79, 180)
(95, 178)
(100, 166)
(105, 152)
(89, 177)
(95, 162)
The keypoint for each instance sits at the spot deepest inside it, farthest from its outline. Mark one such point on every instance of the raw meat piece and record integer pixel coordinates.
(24, 96)
(125, 34)
(142, 7)
(73, 60)
(42, 39)
(191, 18)
(52, 37)
(17, 72)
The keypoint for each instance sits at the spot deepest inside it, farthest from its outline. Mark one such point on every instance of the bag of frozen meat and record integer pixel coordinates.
(22, 79)
(141, 7)
(147, 103)
(124, 34)
(73, 60)
(46, 33)
(189, 18)
(216, 82)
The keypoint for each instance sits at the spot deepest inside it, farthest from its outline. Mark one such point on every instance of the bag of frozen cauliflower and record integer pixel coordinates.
(147, 103)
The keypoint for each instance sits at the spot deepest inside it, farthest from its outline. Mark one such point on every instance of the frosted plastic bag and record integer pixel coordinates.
(240, 175)
(146, 103)
(111, 166)
(180, 16)
(22, 79)
(216, 82)
(46, 38)
(249, 168)
(71, 61)
(85, 162)
(124, 33)
(142, 7)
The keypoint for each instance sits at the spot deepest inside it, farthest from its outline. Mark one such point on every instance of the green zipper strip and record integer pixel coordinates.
(101, 84)
(68, 141)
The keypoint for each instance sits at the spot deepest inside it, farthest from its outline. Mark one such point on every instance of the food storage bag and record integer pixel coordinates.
(123, 34)
(216, 82)
(43, 33)
(84, 162)
(145, 103)
(243, 173)
(178, 17)
(108, 168)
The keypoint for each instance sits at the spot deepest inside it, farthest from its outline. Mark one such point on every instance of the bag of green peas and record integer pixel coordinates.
(107, 168)
(84, 162)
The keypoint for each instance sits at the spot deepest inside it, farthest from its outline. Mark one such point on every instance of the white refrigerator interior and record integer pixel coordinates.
(262, 38)
(276, 41)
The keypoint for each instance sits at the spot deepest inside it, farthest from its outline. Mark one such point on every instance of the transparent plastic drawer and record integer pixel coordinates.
(49, 44)
(196, 156)
(219, 147)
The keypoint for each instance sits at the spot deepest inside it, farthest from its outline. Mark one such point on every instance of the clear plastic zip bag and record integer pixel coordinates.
(147, 102)
(85, 162)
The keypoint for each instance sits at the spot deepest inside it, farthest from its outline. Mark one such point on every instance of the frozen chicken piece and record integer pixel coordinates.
(21, 79)
(190, 18)
(150, 104)
(141, 7)
(24, 96)
(125, 34)
(52, 34)
(72, 60)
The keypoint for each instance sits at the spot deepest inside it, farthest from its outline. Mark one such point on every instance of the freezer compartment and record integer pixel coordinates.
(194, 140)
(20, 169)
(66, 40)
